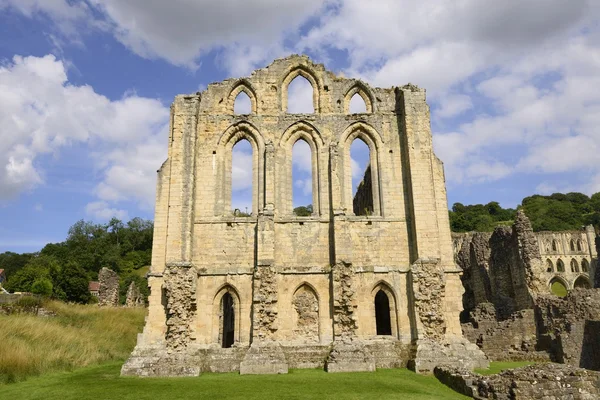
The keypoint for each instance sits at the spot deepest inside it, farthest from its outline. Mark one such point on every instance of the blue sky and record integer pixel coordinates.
(85, 87)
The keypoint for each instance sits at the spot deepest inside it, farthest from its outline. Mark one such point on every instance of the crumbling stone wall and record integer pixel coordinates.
(344, 305)
(541, 381)
(265, 303)
(428, 289)
(108, 293)
(569, 327)
(134, 297)
(180, 291)
(362, 203)
(511, 339)
(342, 255)
(473, 255)
(307, 310)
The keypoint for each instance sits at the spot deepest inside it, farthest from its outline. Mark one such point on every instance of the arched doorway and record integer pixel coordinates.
(582, 282)
(558, 287)
(382, 313)
(228, 327)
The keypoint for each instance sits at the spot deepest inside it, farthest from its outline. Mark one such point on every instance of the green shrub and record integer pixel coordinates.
(42, 286)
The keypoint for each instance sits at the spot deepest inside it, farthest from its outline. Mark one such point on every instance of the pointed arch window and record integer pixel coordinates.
(549, 266)
(360, 182)
(574, 265)
(242, 104)
(560, 266)
(303, 182)
(585, 266)
(358, 100)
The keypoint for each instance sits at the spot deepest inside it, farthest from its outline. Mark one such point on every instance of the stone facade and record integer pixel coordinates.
(108, 293)
(340, 289)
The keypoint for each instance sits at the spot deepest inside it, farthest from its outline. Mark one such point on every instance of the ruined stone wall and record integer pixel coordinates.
(134, 297)
(362, 204)
(542, 381)
(302, 281)
(511, 339)
(108, 293)
(568, 327)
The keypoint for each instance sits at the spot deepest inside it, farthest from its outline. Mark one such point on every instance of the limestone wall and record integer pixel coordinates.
(301, 281)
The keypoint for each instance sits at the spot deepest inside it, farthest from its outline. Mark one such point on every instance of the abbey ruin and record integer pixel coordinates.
(359, 284)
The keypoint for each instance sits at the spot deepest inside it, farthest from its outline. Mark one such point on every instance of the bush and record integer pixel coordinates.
(42, 286)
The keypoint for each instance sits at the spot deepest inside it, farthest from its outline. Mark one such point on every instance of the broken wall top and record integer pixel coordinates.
(267, 90)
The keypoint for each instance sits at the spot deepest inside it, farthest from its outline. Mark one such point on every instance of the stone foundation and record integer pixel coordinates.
(543, 381)
(366, 356)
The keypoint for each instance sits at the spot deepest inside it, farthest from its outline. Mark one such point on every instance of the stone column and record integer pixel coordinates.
(265, 355)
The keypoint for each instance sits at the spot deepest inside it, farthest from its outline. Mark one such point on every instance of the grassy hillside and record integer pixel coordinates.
(78, 336)
(104, 382)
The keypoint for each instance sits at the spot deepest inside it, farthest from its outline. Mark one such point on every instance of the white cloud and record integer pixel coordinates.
(453, 105)
(41, 112)
(102, 211)
(357, 105)
(241, 168)
(300, 96)
(305, 186)
(302, 156)
(242, 104)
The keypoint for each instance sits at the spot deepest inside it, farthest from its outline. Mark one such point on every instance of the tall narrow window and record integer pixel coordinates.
(362, 185)
(554, 245)
(560, 266)
(300, 96)
(549, 266)
(228, 327)
(357, 105)
(382, 314)
(574, 266)
(242, 104)
(241, 178)
(585, 266)
(572, 245)
(302, 179)
(579, 246)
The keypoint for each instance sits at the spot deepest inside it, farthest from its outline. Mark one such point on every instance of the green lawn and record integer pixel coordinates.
(499, 366)
(104, 382)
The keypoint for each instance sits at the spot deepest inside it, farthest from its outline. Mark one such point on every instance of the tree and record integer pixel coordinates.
(73, 282)
(42, 286)
(304, 211)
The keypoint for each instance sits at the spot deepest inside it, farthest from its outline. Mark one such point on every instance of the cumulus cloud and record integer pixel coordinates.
(241, 167)
(179, 31)
(300, 96)
(41, 112)
(101, 210)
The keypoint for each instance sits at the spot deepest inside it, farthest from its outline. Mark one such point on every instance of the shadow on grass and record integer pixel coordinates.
(104, 382)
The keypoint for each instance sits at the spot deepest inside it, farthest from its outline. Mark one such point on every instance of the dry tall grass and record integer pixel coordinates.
(79, 335)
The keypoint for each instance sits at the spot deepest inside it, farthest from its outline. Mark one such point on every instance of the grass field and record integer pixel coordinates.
(499, 366)
(104, 382)
(78, 336)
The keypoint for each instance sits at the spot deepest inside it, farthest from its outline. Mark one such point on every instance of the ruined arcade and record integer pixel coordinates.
(272, 291)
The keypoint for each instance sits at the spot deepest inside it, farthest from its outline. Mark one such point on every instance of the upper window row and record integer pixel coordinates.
(301, 99)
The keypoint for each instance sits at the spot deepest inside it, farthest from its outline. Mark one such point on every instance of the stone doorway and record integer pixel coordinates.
(382, 313)
(228, 328)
